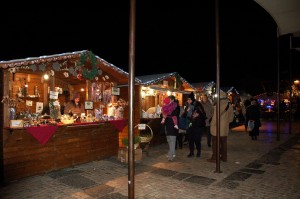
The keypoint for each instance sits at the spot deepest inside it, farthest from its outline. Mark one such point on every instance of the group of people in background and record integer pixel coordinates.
(194, 119)
(197, 118)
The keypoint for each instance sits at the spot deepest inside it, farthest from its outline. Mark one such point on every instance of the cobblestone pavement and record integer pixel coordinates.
(266, 168)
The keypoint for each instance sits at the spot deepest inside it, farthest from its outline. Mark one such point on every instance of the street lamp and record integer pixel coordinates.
(296, 87)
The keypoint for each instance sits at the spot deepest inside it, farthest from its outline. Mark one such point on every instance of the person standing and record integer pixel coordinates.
(209, 110)
(226, 116)
(74, 106)
(253, 113)
(246, 104)
(195, 130)
(188, 111)
(170, 130)
(183, 125)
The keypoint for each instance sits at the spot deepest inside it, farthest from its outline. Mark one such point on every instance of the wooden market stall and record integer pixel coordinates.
(152, 90)
(30, 147)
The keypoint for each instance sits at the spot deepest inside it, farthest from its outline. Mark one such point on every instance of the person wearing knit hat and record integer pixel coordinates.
(190, 105)
(74, 106)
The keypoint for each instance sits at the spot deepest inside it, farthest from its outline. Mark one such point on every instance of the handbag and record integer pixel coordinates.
(250, 125)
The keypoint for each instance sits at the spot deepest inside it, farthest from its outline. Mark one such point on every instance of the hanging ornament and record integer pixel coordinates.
(72, 71)
(32, 67)
(12, 70)
(79, 76)
(42, 67)
(66, 74)
(56, 66)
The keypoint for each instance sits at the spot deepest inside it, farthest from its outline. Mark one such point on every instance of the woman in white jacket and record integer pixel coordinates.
(226, 117)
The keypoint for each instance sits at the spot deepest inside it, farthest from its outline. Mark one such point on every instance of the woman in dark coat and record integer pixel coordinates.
(253, 113)
(170, 131)
(195, 130)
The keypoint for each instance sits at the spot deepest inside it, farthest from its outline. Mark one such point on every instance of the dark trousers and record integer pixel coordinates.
(179, 140)
(254, 132)
(223, 148)
(195, 139)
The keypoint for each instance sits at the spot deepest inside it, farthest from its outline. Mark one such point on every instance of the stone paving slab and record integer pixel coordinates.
(266, 168)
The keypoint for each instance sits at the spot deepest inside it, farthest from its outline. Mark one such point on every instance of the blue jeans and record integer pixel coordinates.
(172, 142)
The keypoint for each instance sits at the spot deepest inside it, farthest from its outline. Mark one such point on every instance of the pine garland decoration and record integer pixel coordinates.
(85, 59)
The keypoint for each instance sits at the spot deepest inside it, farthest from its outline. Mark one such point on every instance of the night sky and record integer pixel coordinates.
(170, 37)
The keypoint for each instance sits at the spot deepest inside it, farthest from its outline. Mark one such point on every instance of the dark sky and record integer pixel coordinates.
(170, 37)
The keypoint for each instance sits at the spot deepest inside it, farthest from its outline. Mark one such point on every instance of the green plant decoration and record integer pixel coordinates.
(88, 62)
(136, 139)
(54, 109)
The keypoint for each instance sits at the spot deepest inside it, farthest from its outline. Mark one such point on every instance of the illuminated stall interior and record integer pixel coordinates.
(268, 101)
(30, 80)
(154, 88)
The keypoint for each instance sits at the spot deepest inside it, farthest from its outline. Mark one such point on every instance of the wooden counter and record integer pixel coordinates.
(69, 146)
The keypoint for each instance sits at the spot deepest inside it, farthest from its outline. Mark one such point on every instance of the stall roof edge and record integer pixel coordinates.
(154, 78)
(64, 57)
(201, 86)
(25, 61)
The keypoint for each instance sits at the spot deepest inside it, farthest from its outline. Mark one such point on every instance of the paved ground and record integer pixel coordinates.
(266, 168)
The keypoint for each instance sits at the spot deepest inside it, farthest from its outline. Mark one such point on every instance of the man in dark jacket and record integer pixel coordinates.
(253, 113)
(195, 130)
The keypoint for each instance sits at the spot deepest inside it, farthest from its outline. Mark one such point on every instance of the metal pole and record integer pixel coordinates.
(218, 86)
(278, 87)
(131, 99)
(290, 84)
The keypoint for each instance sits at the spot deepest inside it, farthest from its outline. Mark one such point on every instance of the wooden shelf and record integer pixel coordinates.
(29, 97)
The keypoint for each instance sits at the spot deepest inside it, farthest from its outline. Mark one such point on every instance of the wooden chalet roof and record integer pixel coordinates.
(204, 86)
(154, 80)
(66, 62)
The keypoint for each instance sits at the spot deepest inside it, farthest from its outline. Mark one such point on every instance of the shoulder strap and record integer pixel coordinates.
(226, 108)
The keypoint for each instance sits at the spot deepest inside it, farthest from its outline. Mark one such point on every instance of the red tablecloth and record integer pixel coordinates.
(119, 124)
(42, 133)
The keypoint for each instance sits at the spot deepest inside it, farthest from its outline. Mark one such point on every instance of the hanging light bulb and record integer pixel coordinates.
(25, 89)
(46, 76)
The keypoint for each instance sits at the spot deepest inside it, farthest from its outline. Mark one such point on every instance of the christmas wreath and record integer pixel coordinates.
(88, 62)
